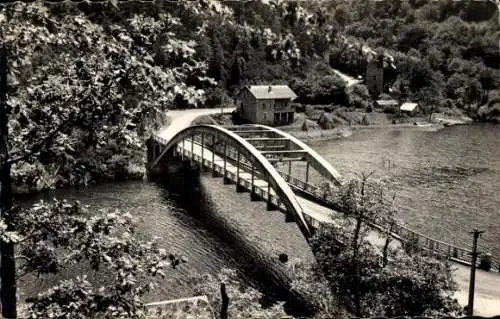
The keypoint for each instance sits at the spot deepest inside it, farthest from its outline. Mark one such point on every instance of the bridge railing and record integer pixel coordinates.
(263, 193)
(160, 140)
(420, 241)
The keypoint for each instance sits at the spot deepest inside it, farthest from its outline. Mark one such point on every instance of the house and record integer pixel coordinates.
(409, 108)
(266, 104)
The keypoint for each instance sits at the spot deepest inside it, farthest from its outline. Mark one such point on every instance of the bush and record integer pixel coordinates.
(325, 122)
(299, 108)
(358, 96)
(214, 97)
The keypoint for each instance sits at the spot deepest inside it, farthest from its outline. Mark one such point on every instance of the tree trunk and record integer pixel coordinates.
(8, 266)
(385, 251)
(357, 231)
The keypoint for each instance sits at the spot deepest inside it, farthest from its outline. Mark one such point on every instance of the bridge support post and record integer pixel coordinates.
(307, 173)
(213, 153)
(192, 148)
(215, 173)
(239, 187)
(290, 168)
(203, 167)
(253, 195)
(270, 205)
(182, 152)
(225, 179)
(289, 217)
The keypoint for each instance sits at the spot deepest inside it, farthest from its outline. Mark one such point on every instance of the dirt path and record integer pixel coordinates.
(349, 79)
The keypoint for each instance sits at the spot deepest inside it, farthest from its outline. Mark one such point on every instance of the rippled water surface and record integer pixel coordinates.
(446, 182)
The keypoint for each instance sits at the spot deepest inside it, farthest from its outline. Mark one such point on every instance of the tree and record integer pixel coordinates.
(358, 96)
(80, 92)
(378, 281)
(75, 90)
(216, 63)
(8, 266)
(56, 235)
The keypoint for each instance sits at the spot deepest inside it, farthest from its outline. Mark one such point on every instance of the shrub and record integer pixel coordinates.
(358, 96)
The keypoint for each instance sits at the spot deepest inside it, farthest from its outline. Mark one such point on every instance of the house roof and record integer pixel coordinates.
(387, 102)
(408, 106)
(261, 92)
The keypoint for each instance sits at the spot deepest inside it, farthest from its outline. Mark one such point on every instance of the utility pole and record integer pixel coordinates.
(470, 307)
(8, 265)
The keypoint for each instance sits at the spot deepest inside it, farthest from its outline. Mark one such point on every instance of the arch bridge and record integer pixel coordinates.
(270, 164)
(279, 169)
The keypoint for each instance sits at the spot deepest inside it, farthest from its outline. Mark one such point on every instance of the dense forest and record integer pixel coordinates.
(89, 81)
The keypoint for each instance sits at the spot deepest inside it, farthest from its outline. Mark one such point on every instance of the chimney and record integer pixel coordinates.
(269, 89)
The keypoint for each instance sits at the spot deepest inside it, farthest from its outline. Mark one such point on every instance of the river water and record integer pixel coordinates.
(446, 183)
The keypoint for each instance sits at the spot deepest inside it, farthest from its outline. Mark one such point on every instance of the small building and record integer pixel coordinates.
(266, 104)
(409, 108)
(387, 104)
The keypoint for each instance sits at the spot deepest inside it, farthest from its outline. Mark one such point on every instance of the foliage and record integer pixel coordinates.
(358, 96)
(57, 235)
(368, 288)
(319, 90)
(81, 93)
(309, 282)
(378, 281)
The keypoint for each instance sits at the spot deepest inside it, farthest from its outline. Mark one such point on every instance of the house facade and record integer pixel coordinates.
(266, 104)
(375, 75)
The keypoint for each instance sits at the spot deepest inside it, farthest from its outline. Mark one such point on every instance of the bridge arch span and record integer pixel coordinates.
(259, 161)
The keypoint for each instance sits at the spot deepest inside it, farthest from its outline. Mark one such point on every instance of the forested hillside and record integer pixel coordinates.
(89, 81)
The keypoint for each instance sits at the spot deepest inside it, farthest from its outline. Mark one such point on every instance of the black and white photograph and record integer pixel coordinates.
(268, 159)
